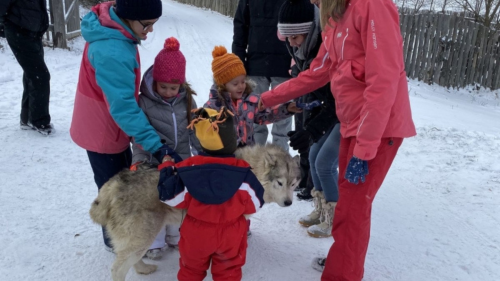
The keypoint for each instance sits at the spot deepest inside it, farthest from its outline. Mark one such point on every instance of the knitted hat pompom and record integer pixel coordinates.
(171, 44)
(219, 51)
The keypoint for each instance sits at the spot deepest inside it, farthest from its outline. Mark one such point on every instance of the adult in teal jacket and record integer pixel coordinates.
(106, 114)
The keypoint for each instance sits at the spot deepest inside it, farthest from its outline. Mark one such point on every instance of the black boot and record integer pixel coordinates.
(305, 195)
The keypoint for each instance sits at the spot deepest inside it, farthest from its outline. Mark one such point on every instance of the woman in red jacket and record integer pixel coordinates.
(362, 57)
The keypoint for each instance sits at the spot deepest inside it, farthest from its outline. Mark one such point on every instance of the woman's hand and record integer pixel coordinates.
(260, 106)
(292, 107)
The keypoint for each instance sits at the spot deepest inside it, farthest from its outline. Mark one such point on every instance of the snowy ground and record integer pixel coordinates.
(435, 218)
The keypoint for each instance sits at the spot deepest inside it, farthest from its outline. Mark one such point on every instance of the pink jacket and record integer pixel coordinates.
(362, 57)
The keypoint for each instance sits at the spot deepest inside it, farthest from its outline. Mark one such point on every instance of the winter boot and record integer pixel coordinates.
(154, 254)
(304, 194)
(313, 217)
(318, 264)
(324, 229)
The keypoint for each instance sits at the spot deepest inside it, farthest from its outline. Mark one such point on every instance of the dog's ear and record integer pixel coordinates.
(269, 161)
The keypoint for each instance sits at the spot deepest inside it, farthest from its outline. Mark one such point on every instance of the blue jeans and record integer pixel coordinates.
(324, 161)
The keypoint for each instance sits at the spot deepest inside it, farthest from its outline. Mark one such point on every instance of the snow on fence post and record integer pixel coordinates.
(65, 21)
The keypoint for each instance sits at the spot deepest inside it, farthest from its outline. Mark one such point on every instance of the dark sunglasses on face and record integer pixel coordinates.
(147, 26)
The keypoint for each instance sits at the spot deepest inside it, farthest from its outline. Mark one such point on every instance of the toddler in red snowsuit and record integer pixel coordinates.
(217, 190)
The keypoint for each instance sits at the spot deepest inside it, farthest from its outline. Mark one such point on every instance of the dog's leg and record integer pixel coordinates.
(144, 268)
(122, 264)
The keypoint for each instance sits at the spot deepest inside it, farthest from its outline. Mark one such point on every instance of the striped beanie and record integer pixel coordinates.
(295, 17)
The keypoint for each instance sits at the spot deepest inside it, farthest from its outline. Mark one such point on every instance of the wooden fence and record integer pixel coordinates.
(446, 49)
(225, 7)
(64, 22)
(450, 50)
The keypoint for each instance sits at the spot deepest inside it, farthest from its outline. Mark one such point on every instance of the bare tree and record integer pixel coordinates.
(484, 11)
(418, 4)
(443, 6)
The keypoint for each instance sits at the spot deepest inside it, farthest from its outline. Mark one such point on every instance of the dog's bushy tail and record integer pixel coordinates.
(99, 210)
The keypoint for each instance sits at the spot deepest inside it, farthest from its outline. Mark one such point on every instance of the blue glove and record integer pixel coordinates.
(356, 170)
(307, 106)
(166, 150)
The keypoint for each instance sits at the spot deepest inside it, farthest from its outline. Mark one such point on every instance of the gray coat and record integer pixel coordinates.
(169, 120)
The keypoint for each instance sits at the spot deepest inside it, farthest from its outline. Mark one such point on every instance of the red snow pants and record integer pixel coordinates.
(225, 245)
(351, 224)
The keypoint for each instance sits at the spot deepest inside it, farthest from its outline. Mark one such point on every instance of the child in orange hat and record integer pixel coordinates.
(233, 90)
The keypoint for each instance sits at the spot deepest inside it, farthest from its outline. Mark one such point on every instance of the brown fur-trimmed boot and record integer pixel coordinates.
(324, 229)
(314, 217)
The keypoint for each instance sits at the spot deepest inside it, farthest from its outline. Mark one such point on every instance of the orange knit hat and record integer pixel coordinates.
(226, 66)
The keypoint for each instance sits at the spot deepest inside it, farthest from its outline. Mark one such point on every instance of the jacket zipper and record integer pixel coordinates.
(343, 42)
(175, 123)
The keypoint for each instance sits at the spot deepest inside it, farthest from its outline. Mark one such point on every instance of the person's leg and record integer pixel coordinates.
(260, 132)
(172, 235)
(351, 226)
(313, 155)
(326, 164)
(105, 166)
(231, 255)
(155, 250)
(304, 157)
(28, 50)
(25, 101)
(196, 250)
(281, 128)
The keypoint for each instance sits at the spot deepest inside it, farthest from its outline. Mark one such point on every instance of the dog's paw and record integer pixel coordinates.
(146, 269)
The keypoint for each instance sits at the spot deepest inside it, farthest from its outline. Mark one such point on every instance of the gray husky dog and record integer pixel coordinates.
(128, 205)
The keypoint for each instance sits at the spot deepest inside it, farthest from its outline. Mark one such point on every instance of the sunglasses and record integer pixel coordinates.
(147, 26)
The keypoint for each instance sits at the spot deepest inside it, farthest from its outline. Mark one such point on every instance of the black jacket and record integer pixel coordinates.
(26, 14)
(318, 120)
(255, 39)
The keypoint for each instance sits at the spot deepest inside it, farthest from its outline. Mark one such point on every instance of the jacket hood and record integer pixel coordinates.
(102, 23)
(215, 183)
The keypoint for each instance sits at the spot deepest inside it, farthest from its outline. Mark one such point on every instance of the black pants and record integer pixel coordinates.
(105, 166)
(305, 173)
(28, 50)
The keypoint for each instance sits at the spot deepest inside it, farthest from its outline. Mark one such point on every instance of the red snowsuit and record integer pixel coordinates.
(362, 57)
(217, 192)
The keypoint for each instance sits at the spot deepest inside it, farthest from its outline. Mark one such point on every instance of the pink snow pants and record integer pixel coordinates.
(351, 224)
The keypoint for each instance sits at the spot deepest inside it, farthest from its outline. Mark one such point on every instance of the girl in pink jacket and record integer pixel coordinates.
(362, 57)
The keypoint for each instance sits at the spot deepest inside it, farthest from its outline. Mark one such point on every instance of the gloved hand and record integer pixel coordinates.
(356, 170)
(164, 191)
(166, 150)
(300, 140)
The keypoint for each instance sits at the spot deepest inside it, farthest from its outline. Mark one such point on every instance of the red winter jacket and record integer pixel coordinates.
(215, 190)
(362, 57)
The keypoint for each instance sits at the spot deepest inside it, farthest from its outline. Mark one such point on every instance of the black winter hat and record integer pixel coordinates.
(138, 9)
(295, 17)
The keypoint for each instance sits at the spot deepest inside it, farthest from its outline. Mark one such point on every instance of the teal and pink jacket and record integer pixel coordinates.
(362, 57)
(106, 113)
